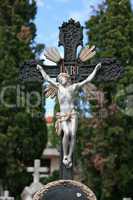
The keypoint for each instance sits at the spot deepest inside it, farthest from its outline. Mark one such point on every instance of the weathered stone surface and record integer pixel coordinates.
(28, 192)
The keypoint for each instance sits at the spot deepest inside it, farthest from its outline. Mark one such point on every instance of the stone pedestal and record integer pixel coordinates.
(53, 156)
(65, 190)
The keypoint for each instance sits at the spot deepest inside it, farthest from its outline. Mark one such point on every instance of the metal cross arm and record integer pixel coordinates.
(29, 73)
(111, 70)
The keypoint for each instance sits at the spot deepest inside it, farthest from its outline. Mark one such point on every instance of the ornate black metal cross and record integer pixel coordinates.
(71, 37)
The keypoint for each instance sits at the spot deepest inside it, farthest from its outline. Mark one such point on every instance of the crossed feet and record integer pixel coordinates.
(67, 161)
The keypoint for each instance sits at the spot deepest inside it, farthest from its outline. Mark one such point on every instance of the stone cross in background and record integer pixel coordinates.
(6, 196)
(37, 170)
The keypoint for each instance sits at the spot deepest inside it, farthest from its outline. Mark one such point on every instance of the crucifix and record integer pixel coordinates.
(6, 196)
(72, 72)
(37, 170)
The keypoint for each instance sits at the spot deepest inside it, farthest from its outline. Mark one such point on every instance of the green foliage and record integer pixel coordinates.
(107, 157)
(23, 133)
(53, 177)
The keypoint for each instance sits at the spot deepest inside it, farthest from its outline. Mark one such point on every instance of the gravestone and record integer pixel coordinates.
(6, 196)
(38, 172)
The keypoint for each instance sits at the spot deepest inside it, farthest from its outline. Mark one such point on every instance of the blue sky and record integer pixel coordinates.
(51, 14)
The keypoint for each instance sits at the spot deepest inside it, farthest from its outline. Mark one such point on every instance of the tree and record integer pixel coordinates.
(107, 157)
(23, 133)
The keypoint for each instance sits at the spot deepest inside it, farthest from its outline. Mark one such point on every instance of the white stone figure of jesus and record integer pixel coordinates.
(67, 119)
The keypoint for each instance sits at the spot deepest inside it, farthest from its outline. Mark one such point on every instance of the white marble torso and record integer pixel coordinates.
(66, 97)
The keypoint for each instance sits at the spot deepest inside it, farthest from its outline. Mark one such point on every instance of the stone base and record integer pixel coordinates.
(29, 191)
(65, 190)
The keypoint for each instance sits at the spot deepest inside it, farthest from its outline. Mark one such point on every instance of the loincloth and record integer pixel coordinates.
(63, 117)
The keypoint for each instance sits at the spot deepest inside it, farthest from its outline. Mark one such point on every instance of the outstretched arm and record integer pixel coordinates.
(90, 77)
(46, 76)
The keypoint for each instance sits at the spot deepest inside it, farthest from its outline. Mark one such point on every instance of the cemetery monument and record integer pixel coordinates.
(73, 72)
